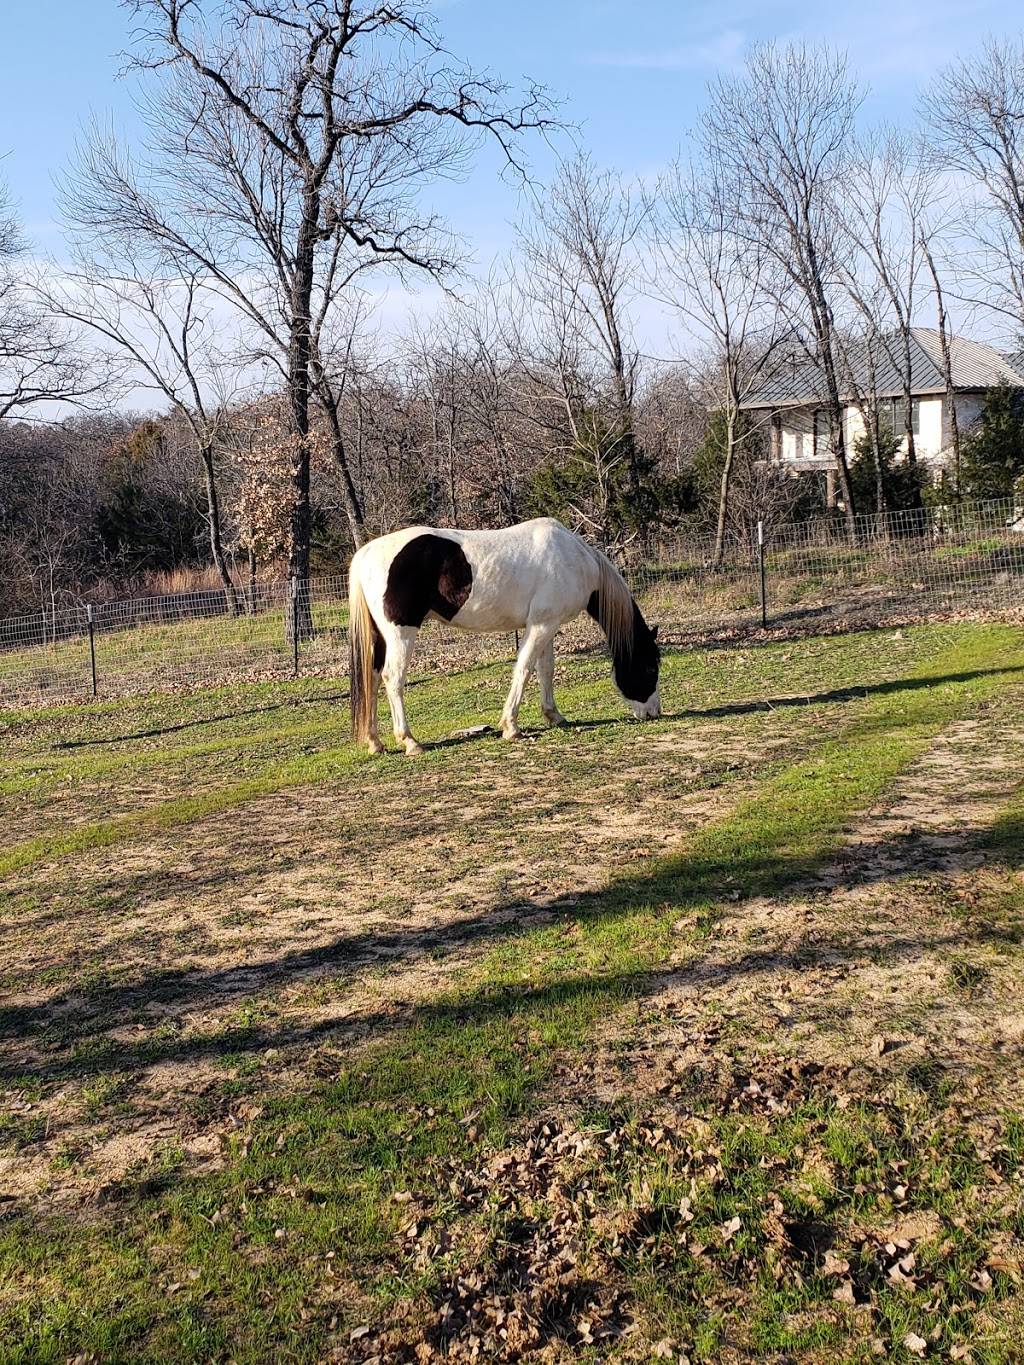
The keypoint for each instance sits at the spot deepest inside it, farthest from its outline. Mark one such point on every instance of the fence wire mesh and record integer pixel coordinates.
(894, 568)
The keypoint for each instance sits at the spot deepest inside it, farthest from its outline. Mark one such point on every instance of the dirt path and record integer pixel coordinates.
(880, 966)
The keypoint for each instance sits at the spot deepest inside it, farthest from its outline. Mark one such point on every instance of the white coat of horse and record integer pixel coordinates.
(533, 578)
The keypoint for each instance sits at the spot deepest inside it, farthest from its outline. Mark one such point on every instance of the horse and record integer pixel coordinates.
(533, 578)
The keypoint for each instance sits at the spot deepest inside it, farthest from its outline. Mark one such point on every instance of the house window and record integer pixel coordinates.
(892, 416)
(821, 432)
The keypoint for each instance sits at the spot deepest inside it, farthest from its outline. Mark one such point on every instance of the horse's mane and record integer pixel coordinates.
(615, 611)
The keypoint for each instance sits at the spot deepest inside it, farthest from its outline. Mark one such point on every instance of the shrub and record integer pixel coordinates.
(992, 455)
(902, 483)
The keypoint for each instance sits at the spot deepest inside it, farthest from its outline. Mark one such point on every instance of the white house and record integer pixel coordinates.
(792, 403)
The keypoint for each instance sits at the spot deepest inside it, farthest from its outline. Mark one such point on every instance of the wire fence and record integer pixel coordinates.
(801, 578)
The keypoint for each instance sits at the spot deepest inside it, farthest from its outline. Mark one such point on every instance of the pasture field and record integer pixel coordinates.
(700, 1039)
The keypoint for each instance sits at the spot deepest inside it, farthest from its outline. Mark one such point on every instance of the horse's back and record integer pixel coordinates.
(507, 577)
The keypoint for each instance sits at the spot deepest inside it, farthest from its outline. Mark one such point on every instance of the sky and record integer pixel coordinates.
(630, 74)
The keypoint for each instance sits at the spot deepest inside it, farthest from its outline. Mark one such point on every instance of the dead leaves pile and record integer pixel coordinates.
(531, 1252)
(535, 1277)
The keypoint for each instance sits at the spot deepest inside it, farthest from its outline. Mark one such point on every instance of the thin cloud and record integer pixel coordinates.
(724, 49)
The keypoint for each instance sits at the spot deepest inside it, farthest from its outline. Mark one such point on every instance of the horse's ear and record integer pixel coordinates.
(654, 632)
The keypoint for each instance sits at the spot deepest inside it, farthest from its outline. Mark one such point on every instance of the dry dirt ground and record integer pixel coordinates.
(280, 931)
(283, 927)
(157, 992)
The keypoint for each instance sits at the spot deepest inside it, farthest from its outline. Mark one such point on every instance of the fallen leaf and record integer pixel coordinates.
(845, 1294)
(835, 1265)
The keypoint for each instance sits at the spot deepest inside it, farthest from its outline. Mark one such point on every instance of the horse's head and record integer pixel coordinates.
(636, 673)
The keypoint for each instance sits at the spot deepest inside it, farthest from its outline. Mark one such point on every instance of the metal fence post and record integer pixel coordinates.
(760, 557)
(92, 645)
(295, 626)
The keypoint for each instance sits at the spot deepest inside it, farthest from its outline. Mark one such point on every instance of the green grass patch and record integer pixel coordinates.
(297, 1240)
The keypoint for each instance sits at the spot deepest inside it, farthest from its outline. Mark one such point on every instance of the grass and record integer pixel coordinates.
(297, 1236)
(190, 649)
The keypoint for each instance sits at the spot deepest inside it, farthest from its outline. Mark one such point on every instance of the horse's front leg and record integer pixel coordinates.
(546, 678)
(401, 642)
(534, 643)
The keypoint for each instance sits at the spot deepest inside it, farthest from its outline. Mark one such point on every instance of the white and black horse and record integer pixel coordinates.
(533, 578)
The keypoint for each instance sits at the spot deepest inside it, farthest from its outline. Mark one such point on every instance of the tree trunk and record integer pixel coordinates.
(723, 494)
(299, 620)
(252, 581)
(876, 454)
(947, 363)
(822, 320)
(835, 414)
(908, 424)
(213, 521)
(353, 508)
(452, 489)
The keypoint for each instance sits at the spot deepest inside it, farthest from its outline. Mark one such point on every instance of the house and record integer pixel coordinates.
(792, 403)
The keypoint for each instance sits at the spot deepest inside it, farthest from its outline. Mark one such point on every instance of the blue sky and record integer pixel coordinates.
(631, 74)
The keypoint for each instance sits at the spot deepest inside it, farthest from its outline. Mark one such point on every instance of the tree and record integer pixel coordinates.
(573, 358)
(39, 360)
(440, 371)
(287, 143)
(582, 245)
(885, 216)
(975, 110)
(159, 318)
(717, 282)
(879, 474)
(783, 131)
(993, 453)
(929, 231)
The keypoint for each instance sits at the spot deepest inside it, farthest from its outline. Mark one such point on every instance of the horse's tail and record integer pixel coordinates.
(361, 645)
(615, 607)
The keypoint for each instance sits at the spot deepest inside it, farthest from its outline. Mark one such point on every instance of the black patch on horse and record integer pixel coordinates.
(380, 648)
(429, 574)
(635, 669)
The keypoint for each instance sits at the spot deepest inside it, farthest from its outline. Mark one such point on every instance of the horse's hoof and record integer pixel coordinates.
(412, 748)
(555, 718)
(374, 746)
(511, 732)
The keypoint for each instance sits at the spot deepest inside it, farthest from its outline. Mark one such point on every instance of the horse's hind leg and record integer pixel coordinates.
(379, 657)
(536, 641)
(546, 678)
(401, 642)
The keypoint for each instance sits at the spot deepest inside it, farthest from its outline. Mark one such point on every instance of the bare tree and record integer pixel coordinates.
(928, 235)
(719, 282)
(783, 131)
(884, 215)
(858, 350)
(975, 110)
(573, 362)
(162, 324)
(558, 391)
(504, 439)
(40, 362)
(287, 144)
(440, 370)
(582, 246)
(333, 351)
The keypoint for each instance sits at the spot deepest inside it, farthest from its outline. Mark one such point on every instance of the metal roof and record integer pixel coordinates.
(974, 365)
